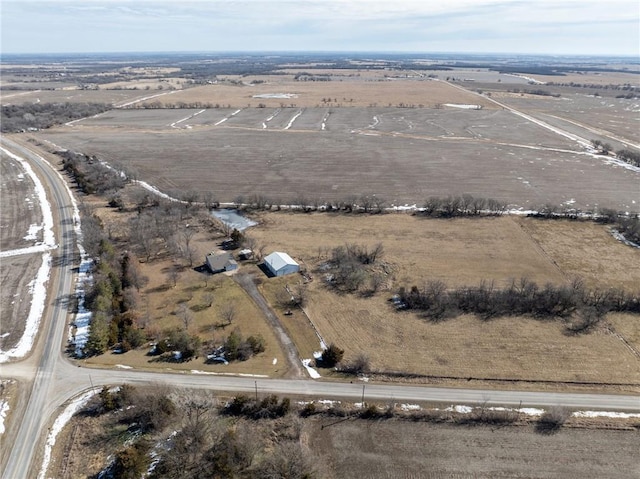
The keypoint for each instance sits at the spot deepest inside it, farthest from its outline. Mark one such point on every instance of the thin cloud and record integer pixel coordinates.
(419, 25)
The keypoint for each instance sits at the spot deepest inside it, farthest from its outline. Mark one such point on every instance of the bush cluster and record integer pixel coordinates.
(177, 340)
(269, 407)
(352, 266)
(522, 297)
(464, 205)
(237, 348)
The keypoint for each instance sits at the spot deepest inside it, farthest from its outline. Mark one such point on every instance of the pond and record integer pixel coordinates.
(233, 218)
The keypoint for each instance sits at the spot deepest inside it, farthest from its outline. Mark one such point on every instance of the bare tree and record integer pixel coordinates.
(208, 299)
(228, 313)
(185, 314)
(174, 275)
(209, 200)
(184, 243)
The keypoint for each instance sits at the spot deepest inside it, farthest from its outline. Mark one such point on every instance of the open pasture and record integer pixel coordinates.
(465, 252)
(20, 214)
(402, 155)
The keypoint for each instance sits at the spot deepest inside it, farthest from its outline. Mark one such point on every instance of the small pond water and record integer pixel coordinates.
(234, 219)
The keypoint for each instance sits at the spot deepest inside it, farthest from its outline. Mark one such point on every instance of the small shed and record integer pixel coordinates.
(245, 254)
(218, 263)
(280, 264)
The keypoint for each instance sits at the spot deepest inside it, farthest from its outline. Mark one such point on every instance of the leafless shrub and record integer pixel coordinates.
(552, 420)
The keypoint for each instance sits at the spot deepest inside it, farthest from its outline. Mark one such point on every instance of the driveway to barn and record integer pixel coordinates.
(247, 283)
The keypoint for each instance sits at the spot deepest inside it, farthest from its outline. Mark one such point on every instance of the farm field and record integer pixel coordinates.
(392, 449)
(285, 91)
(401, 155)
(618, 116)
(74, 95)
(20, 209)
(463, 252)
(16, 274)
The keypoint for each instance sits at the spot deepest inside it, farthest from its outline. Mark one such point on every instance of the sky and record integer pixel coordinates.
(555, 27)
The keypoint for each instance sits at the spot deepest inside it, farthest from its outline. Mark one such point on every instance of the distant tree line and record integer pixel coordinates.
(538, 92)
(90, 174)
(464, 205)
(15, 118)
(521, 298)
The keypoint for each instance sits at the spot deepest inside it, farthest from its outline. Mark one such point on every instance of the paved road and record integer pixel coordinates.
(53, 327)
(57, 380)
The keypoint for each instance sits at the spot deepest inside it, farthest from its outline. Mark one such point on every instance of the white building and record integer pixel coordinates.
(280, 264)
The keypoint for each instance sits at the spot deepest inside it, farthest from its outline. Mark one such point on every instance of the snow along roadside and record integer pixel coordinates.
(37, 287)
(58, 424)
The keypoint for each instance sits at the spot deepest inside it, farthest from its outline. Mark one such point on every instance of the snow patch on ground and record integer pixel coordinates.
(464, 106)
(59, 423)
(243, 375)
(32, 234)
(312, 372)
(619, 415)
(173, 125)
(275, 361)
(295, 117)
(276, 96)
(620, 237)
(123, 366)
(38, 292)
(4, 408)
(79, 330)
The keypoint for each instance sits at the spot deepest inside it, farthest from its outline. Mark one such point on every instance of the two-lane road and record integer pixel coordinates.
(53, 325)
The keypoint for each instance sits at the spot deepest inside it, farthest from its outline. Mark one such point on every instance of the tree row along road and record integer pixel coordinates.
(56, 379)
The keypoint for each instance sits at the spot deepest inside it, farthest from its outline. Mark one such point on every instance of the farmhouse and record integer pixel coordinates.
(280, 264)
(218, 263)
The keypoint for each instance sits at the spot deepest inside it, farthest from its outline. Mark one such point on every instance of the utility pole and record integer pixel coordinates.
(363, 396)
(256, 383)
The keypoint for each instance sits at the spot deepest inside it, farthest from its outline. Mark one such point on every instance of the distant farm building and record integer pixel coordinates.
(218, 263)
(280, 264)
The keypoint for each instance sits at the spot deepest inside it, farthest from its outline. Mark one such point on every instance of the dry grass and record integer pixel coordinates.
(628, 326)
(462, 251)
(349, 92)
(296, 324)
(588, 251)
(208, 323)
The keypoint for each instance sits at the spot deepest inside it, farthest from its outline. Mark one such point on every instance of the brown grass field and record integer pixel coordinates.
(463, 252)
(344, 92)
